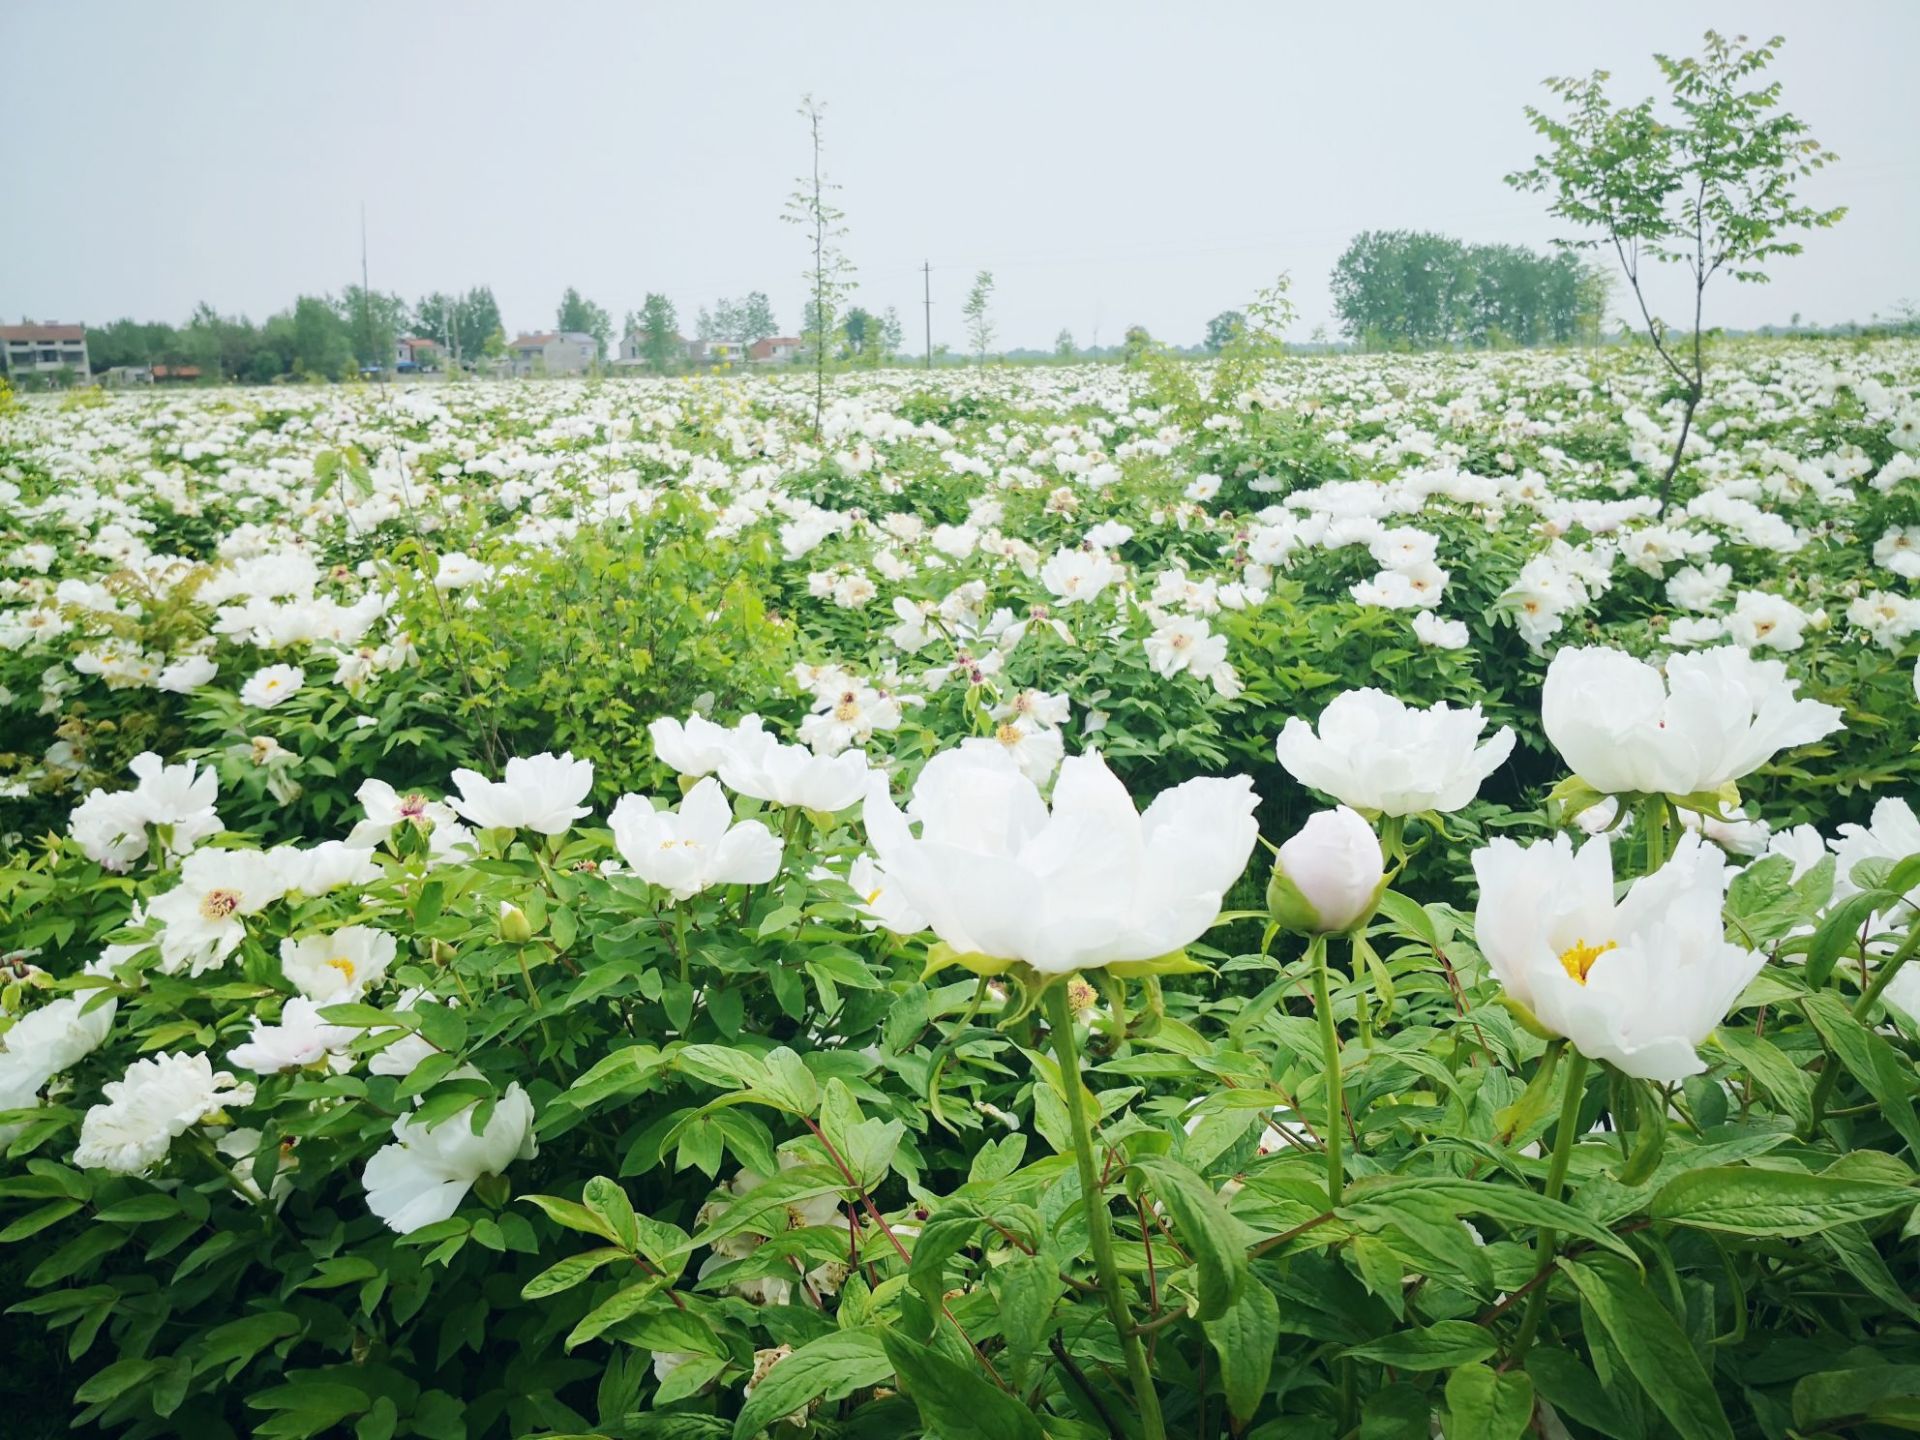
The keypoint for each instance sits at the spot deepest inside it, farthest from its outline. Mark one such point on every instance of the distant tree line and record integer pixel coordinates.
(1414, 290)
(322, 336)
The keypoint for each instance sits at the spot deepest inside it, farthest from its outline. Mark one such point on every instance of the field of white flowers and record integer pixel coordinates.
(1301, 899)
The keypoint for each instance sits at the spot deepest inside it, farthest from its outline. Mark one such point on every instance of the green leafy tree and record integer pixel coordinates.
(1708, 185)
(1063, 347)
(1221, 330)
(372, 320)
(980, 327)
(858, 328)
(659, 333)
(580, 315)
(755, 318)
(322, 344)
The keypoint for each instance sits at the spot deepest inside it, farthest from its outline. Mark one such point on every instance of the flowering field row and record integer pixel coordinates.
(1296, 898)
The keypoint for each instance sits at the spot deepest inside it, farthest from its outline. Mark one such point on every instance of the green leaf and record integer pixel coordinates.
(1870, 1060)
(606, 1199)
(1839, 933)
(1025, 1288)
(1395, 1412)
(956, 1400)
(1215, 1239)
(1245, 1339)
(573, 1215)
(118, 1378)
(34, 1221)
(139, 1209)
(570, 1272)
(1652, 1344)
(1782, 1081)
(612, 1311)
(1439, 1346)
(1840, 1399)
(829, 1368)
(1483, 1405)
(1742, 1200)
(1572, 1389)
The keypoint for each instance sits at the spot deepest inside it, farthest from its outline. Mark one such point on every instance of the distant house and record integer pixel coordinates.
(776, 350)
(564, 352)
(121, 376)
(633, 348)
(175, 374)
(44, 352)
(415, 352)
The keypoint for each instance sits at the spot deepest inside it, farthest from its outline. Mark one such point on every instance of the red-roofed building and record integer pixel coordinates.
(44, 353)
(776, 350)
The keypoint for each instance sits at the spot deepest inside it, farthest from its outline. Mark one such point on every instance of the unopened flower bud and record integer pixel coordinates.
(1329, 876)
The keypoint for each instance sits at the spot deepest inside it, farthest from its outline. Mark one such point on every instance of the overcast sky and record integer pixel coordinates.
(1113, 164)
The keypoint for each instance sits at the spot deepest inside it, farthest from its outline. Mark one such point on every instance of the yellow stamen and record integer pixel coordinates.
(1578, 958)
(343, 965)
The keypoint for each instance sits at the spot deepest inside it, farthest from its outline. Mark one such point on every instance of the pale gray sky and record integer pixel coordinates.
(1115, 163)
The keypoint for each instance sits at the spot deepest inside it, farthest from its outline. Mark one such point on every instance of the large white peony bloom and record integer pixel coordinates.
(1638, 983)
(700, 846)
(540, 793)
(300, 1038)
(157, 1099)
(422, 1178)
(1089, 884)
(205, 914)
(1717, 715)
(45, 1041)
(758, 765)
(1376, 753)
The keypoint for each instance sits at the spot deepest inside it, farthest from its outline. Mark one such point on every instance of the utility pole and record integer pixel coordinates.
(366, 315)
(926, 283)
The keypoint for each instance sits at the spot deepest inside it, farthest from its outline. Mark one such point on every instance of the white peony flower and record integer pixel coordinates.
(158, 1099)
(1377, 753)
(1090, 883)
(422, 1178)
(698, 847)
(1638, 982)
(541, 793)
(268, 686)
(1716, 716)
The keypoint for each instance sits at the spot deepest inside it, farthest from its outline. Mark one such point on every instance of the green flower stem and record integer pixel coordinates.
(1884, 975)
(1330, 1072)
(1653, 820)
(1099, 1222)
(1556, 1181)
(1830, 1069)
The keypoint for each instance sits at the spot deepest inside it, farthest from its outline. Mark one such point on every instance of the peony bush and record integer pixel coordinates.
(1077, 902)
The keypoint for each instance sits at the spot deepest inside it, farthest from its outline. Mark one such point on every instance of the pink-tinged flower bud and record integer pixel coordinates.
(1329, 876)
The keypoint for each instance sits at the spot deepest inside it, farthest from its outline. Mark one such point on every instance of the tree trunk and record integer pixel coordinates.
(1686, 428)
